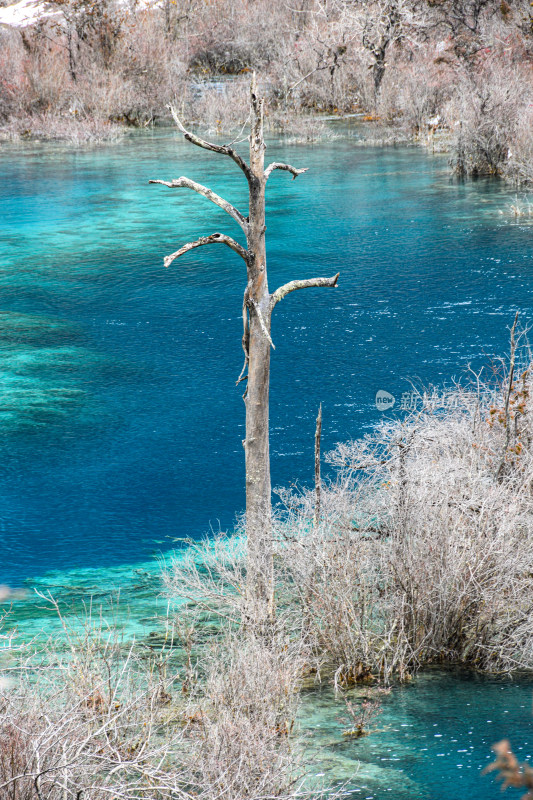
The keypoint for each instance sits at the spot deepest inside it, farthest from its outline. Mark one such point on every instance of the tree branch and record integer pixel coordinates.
(280, 293)
(187, 183)
(225, 149)
(215, 238)
(245, 334)
(278, 165)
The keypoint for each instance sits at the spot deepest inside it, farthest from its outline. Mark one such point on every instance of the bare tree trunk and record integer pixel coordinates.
(378, 71)
(260, 587)
(318, 434)
(258, 305)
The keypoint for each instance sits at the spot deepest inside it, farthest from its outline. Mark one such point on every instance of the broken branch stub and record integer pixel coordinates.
(310, 283)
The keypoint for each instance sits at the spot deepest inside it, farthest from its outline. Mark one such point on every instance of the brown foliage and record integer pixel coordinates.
(511, 772)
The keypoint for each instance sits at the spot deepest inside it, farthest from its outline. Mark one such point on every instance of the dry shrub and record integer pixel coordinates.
(83, 716)
(234, 36)
(484, 114)
(12, 72)
(92, 715)
(298, 129)
(244, 716)
(365, 712)
(68, 128)
(403, 62)
(519, 167)
(219, 106)
(18, 758)
(333, 581)
(421, 554)
(153, 73)
(414, 93)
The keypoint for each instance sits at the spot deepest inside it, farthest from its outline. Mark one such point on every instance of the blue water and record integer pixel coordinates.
(431, 741)
(121, 423)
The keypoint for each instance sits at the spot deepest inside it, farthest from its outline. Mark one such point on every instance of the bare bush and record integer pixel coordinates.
(413, 94)
(298, 129)
(221, 107)
(464, 67)
(485, 114)
(244, 717)
(69, 129)
(360, 716)
(519, 167)
(87, 721)
(12, 73)
(421, 552)
(92, 715)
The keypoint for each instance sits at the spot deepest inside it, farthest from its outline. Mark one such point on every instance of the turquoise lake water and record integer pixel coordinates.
(431, 741)
(121, 425)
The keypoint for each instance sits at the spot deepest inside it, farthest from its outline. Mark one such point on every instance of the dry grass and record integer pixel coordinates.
(91, 715)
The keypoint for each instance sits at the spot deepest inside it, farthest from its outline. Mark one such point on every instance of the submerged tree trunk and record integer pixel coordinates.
(258, 305)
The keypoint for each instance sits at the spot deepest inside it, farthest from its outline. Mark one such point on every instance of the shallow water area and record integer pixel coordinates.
(130, 599)
(431, 741)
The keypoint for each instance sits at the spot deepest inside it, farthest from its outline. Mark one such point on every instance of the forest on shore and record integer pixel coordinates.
(456, 74)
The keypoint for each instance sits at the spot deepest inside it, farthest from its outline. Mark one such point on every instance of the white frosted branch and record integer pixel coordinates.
(214, 238)
(310, 283)
(224, 149)
(187, 183)
(287, 167)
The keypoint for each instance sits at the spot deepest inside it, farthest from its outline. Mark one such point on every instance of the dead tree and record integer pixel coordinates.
(318, 487)
(257, 308)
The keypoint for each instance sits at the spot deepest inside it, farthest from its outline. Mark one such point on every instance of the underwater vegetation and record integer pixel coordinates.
(44, 375)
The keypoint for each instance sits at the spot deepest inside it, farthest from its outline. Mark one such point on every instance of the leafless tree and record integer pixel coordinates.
(97, 24)
(257, 308)
(485, 113)
(321, 46)
(381, 24)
